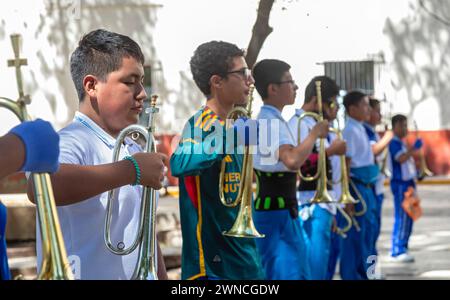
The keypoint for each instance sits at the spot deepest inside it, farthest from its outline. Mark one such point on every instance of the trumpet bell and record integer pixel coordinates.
(244, 227)
(347, 199)
(424, 173)
(322, 196)
(423, 168)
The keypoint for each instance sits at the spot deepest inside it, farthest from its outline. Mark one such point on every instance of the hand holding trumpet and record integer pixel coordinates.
(320, 130)
(152, 168)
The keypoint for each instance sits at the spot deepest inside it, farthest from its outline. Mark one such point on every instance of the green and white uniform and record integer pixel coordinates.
(206, 251)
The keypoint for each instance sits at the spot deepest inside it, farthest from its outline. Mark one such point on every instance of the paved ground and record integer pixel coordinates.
(430, 242)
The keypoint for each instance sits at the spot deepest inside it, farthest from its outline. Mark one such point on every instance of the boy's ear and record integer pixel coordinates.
(271, 89)
(215, 81)
(90, 85)
(351, 109)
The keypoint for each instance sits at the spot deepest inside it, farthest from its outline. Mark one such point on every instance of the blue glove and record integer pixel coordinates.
(41, 146)
(247, 131)
(418, 144)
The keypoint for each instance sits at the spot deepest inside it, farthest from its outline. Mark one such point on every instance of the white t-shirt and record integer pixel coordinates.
(405, 171)
(273, 133)
(307, 125)
(84, 143)
(359, 148)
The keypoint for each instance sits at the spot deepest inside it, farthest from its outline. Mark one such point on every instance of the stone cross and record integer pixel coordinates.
(17, 62)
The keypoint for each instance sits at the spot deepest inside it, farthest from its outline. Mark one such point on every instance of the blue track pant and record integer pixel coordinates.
(283, 249)
(403, 223)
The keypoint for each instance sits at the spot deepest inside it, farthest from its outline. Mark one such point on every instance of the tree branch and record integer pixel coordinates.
(260, 32)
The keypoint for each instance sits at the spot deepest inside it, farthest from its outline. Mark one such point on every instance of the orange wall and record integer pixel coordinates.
(436, 149)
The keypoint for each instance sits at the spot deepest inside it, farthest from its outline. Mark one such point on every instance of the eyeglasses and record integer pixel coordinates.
(244, 72)
(286, 81)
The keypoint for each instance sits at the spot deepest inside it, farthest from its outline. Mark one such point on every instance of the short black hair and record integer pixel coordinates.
(353, 98)
(99, 53)
(268, 71)
(329, 89)
(397, 119)
(212, 58)
(374, 102)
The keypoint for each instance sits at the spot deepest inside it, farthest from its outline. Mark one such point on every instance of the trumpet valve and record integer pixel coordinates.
(153, 100)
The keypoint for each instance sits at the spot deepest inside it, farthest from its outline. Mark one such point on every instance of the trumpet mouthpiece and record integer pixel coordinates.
(153, 100)
(318, 83)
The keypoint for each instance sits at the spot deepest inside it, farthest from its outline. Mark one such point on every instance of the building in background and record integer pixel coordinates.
(402, 46)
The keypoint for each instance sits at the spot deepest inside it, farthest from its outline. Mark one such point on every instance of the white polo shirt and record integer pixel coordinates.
(359, 148)
(400, 171)
(273, 133)
(83, 142)
(307, 125)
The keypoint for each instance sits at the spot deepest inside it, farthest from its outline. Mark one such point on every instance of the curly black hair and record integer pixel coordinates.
(212, 58)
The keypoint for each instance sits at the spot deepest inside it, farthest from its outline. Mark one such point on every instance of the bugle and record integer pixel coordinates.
(243, 226)
(55, 264)
(145, 238)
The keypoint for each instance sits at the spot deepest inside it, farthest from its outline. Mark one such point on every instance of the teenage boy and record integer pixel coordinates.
(356, 249)
(221, 73)
(316, 219)
(283, 250)
(404, 177)
(107, 70)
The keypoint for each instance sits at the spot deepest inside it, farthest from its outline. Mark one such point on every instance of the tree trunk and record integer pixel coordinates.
(260, 32)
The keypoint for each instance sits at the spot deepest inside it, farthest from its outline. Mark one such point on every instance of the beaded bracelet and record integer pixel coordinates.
(137, 169)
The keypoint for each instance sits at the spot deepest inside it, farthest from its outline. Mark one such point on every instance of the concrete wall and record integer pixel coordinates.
(51, 30)
(413, 43)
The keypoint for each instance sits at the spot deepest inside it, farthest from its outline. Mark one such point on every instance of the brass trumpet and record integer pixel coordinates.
(423, 168)
(346, 197)
(343, 231)
(321, 195)
(363, 202)
(55, 264)
(384, 166)
(244, 225)
(146, 267)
